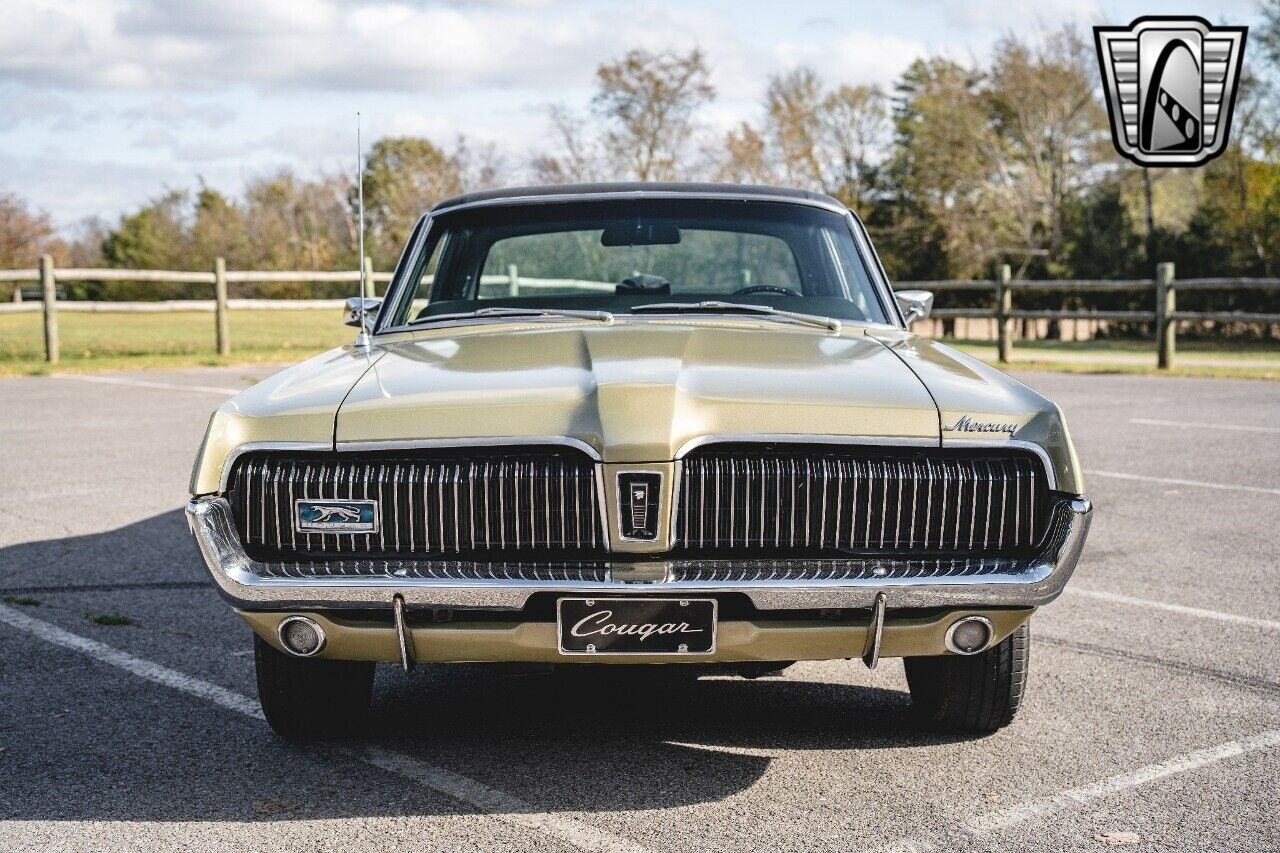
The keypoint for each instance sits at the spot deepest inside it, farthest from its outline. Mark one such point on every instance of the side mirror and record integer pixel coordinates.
(914, 304)
(351, 313)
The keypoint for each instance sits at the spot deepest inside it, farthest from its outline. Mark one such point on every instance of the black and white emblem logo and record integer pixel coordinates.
(1170, 88)
(335, 516)
(638, 496)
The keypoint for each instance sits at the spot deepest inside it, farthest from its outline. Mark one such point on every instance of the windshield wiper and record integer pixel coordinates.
(712, 306)
(503, 313)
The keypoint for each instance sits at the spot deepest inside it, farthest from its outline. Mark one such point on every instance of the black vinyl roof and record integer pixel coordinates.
(639, 189)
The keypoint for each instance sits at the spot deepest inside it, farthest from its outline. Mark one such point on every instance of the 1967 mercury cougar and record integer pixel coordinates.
(639, 423)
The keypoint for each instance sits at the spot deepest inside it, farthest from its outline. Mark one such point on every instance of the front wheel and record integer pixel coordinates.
(311, 698)
(971, 694)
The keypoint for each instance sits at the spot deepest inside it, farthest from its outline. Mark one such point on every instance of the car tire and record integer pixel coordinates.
(971, 694)
(311, 698)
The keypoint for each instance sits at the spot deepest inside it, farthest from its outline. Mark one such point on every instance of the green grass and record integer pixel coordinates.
(1260, 360)
(22, 600)
(126, 341)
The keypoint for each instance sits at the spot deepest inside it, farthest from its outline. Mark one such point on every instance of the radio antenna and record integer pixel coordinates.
(362, 337)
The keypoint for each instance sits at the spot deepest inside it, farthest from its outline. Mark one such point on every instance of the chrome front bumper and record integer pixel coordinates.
(770, 584)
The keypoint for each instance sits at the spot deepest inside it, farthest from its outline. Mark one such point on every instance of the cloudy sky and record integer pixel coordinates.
(105, 102)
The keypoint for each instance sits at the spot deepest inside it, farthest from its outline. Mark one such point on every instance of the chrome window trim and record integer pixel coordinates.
(408, 259)
(866, 250)
(875, 268)
(637, 195)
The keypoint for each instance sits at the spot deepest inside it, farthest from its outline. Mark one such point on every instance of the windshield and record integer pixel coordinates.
(619, 255)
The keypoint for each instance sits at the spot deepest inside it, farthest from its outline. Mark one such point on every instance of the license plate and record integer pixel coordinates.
(636, 626)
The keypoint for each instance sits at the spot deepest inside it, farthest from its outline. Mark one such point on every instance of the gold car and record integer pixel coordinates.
(661, 424)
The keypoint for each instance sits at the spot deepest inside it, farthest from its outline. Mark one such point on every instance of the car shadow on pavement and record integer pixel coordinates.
(81, 740)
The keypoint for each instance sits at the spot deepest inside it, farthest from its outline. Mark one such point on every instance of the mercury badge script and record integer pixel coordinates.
(968, 424)
(598, 623)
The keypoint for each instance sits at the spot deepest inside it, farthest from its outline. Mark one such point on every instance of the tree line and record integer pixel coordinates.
(955, 168)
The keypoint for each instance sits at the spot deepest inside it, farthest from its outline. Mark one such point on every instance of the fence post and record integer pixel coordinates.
(1166, 305)
(513, 280)
(50, 292)
(1004, 305)
(368, 277)
(221, 321)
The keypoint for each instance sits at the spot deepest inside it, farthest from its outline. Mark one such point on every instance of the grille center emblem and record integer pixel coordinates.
(638, 495)
(335, 516)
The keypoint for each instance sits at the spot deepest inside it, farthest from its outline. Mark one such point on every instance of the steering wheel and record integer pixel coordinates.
(767, 288)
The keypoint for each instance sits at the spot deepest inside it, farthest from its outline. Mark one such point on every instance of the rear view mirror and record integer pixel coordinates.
(641, 234)
(351, 312)
(914, 304)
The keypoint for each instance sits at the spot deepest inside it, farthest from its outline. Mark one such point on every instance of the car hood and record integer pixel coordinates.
(978, 404)
(636, 390)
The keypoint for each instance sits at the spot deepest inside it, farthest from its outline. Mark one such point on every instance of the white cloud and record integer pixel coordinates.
(322, 44)
(1002, 14)
(855, 57)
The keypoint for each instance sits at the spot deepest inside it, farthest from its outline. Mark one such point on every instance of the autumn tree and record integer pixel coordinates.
(792, 106)
(404, 177)
(942, 169)
(25, 234)
(746, 157)
(647, 102)
(1048, 136)
(578, 157)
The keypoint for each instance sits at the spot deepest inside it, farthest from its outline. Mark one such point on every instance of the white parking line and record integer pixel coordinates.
(458, 787)
(1023, 812)
(1203, 425)
(146, 383)
(1117, 598)
(1000, 819)
(1230, 487)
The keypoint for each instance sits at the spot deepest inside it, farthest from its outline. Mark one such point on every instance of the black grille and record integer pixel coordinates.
(533, 504)
(829, 501)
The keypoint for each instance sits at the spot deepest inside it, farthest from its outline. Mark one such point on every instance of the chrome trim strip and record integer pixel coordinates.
(483, 441)
(229, 463)
(1027, 583)
(801, 438)
(996, 444)
(872, 441)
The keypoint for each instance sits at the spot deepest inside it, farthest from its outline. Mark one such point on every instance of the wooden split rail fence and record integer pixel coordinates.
(1164, 314)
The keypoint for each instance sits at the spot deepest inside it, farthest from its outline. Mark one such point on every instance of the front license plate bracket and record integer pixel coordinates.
(636, 625)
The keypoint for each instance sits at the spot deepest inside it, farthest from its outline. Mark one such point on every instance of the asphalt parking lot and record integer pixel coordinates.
(1153, 717)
